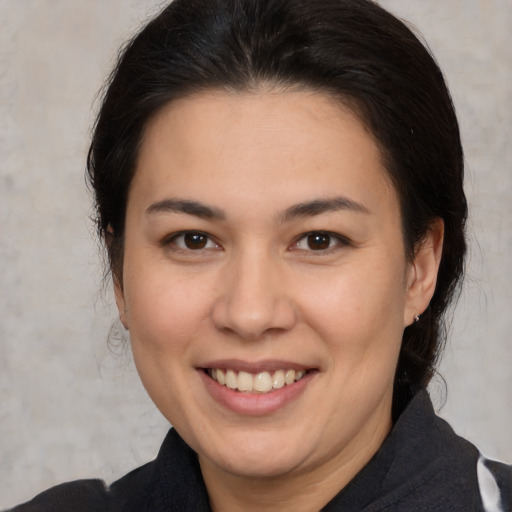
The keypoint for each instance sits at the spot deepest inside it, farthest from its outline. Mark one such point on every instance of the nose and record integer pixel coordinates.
(253, 299)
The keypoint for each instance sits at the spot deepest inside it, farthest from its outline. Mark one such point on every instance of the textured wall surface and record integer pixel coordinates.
(70, 407)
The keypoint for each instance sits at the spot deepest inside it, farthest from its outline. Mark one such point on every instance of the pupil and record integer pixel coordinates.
(195, 240)
(318, 241)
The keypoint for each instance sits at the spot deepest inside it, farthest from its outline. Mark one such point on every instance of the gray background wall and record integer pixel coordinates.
(70, 407)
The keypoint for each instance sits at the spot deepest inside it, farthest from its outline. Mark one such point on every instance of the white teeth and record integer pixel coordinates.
(299, 374)
(278, 379)
(262, 382)
(231, 380)
(289, 377)
(220, 377)
(244, 381)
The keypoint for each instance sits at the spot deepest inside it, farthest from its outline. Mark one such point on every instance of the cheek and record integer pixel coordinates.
(166, 315)
(357, 310)
(165, 308)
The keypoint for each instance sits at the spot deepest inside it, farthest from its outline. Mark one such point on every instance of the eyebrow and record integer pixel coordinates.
(297, 211)
(319, 206)
(186, 206)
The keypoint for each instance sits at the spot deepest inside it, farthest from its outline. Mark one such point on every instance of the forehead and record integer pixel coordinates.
(289, 143)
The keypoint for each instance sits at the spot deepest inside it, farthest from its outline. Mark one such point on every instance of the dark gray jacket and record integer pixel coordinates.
(422, 466)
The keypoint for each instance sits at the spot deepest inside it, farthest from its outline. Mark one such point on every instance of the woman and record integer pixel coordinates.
(279, 188)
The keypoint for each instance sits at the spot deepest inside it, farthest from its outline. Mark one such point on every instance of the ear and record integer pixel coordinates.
(117, 280)
(120, 302)
(422, 275)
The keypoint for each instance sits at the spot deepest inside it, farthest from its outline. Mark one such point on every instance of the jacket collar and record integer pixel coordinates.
(417, 462)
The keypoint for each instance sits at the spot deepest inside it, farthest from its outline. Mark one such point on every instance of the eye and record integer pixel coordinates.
(319, 241)
(192, 241)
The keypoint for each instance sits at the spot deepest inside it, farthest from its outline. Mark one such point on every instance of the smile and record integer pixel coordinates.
(260, 383)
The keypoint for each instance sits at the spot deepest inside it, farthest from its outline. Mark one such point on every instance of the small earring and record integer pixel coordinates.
(417, 318)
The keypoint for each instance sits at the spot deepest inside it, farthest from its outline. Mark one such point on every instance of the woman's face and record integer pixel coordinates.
(265, 283)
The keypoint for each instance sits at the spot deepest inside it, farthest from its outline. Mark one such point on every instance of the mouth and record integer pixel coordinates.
(257, 388)
(260, 383)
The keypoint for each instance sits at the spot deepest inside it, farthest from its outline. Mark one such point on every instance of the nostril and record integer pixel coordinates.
(254, 318)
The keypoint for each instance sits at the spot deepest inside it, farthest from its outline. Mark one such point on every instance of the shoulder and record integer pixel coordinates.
(173, 479)
(495, 484)
(77, 496)
(427, 466)
(453, 474)
(90, 495)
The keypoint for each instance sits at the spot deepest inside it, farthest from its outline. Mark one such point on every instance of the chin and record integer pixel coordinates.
(259, 467)
(259, 458)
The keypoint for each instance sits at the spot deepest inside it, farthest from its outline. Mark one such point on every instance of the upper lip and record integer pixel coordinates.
(255, 366)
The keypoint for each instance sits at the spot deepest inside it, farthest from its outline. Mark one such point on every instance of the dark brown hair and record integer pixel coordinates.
(353, 50)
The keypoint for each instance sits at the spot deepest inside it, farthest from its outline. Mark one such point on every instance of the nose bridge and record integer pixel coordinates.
(253, 299)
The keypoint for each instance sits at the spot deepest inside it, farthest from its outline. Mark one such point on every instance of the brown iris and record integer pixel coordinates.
(195, 240)
(319, 241)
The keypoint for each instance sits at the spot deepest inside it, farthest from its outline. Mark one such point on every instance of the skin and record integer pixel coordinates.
(257, 292)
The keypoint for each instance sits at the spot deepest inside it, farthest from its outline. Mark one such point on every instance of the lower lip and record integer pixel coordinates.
(255, 404)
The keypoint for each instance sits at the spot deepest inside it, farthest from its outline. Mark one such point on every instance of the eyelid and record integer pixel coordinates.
(170, 240)
(342, 241)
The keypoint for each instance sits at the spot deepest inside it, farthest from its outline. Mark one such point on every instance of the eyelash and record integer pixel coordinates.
(172, 240)
(328, 237)
(340, 242)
